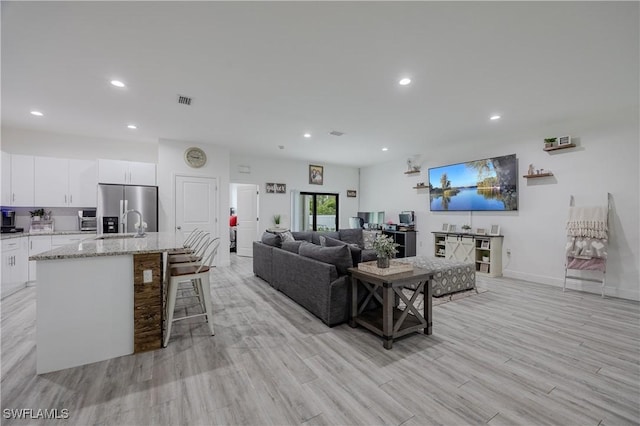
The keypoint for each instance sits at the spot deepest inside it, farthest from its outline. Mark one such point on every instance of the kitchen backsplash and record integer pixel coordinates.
(66, 218)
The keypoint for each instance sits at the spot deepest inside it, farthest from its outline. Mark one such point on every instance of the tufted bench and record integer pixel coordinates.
(450, 276)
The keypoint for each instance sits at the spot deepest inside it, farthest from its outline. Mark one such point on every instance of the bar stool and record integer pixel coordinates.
(198, 275)
(192, 240)
(196, 253)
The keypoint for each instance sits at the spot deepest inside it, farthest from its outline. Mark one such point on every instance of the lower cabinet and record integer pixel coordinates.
(483, 250)
(37, 244)
(15, 267)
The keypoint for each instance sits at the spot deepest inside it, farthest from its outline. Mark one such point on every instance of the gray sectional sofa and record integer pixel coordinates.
(313, 276)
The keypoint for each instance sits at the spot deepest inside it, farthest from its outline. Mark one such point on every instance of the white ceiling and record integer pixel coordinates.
(261, 74)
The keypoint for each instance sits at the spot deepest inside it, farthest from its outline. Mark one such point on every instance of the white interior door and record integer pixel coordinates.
(196, 205)
(247, 229)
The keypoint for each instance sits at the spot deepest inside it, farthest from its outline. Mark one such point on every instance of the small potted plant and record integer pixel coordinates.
(385, 248)
(466, 228)
(276, 220)
(37, 214)
(549, 142)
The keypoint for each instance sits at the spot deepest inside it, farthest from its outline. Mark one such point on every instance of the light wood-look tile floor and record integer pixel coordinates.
(521, 353)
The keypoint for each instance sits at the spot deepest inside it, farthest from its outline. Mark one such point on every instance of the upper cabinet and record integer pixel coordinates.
(6, 179)
(20, 188)
(126, 172)
(61, 182)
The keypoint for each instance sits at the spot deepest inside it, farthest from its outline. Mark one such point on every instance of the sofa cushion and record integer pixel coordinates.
(368, 255)
(286, 236)
(352, 236)
(315, 238)
(302, 235)
(292, 246)
(271, 239)
(339, 256)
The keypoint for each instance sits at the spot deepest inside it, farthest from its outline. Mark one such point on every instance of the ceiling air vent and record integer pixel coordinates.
(336, 133)
(184, 100)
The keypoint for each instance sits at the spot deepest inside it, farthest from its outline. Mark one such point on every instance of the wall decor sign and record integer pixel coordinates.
(316, 175)
(351, 193)
(564, 140)
(495, 230)
(276, 188)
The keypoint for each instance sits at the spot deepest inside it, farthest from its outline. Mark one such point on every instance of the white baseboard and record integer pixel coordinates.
(578, 285)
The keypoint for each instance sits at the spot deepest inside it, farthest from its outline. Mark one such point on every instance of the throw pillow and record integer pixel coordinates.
(323, 241)
(332, 242)
(271, 239)
(339, 256)
(286, 236)
(302, 236)
(292, 246)
(369, 237)
(352, 236)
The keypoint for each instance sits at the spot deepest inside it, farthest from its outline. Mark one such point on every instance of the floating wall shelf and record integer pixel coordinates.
(538, 175)
(412, 172)
(421, 187)
(556, 147)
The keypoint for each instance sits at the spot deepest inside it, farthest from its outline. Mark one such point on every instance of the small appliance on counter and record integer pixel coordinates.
(87, 220)
(9, 222)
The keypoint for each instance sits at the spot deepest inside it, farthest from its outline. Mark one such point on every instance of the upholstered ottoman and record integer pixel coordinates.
(450, 276)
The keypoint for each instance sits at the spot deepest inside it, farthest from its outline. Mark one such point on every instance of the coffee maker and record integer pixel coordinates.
(9, 222)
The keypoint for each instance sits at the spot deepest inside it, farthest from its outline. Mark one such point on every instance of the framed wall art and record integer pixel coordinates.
(316, 175)
(495, 230)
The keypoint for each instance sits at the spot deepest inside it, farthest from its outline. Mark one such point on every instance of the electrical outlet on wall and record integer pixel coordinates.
(147, 276)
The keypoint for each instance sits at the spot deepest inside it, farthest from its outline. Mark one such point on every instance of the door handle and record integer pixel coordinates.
(178, 227)
(65, 198)
(13, 196)
(70, 198)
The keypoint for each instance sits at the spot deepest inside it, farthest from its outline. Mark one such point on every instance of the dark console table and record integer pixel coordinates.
(387, 320)
(407, 241)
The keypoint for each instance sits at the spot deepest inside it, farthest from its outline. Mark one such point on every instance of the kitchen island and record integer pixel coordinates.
(100, 298)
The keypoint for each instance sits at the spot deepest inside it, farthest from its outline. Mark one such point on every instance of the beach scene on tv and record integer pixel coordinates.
(489, 184)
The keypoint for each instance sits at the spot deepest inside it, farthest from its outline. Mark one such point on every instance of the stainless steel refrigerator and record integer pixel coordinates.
(114, 200)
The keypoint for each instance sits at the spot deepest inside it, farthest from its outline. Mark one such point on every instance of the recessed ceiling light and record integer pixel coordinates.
(37, 113)
(495, 117)
(117, 83)
(132, 126)
(385, 149)
(307, 135)
(404, 81)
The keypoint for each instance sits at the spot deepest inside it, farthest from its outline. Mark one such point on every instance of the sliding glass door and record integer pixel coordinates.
(318, 211)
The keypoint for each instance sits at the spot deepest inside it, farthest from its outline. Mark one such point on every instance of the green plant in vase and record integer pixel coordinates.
(37, 214)
(549, 142)
(385, 249)
(276, 220)
(466, 228)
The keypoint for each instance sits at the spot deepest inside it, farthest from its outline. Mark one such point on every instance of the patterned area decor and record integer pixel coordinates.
(450, 276)
(369, 237)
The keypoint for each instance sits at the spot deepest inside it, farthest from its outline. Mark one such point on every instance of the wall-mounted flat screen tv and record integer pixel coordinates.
(489, 185)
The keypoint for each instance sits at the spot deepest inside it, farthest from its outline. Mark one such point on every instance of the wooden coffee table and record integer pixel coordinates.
(387, 320)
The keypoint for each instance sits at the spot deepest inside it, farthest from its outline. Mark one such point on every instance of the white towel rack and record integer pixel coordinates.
(601, 281)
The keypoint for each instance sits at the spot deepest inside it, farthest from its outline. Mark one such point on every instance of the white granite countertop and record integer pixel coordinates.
(10, 235)
(153, 242)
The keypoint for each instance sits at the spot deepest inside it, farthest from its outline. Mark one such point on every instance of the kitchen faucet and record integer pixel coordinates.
(141, 227)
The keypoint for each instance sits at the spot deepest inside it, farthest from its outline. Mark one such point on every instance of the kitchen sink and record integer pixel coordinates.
(114, 236)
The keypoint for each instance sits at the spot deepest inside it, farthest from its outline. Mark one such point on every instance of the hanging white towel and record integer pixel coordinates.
(588, 222)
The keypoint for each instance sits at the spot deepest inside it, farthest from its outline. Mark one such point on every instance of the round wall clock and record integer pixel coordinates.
(195, 157)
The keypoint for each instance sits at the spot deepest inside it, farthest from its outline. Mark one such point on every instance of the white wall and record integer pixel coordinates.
(295, 174)
(171, 163)
(47, 144)
(605, 160)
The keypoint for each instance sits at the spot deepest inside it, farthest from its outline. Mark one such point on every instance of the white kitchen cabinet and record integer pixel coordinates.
(83, 183)
(22, 171)
(126, 172)
(61, 182)
(15, 269)
(6, 179)
(37, 244)
(483, 250)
